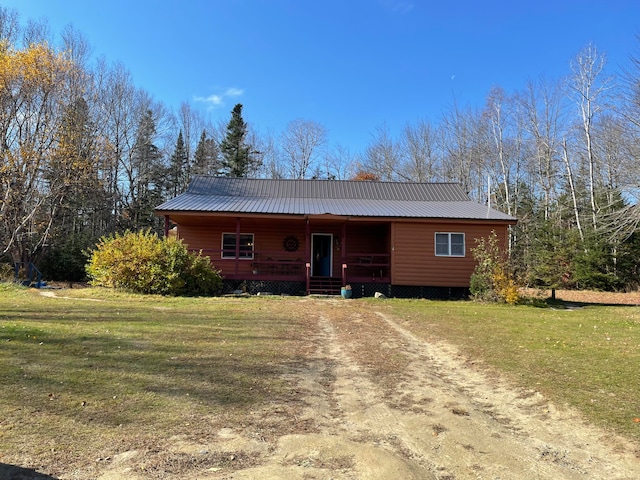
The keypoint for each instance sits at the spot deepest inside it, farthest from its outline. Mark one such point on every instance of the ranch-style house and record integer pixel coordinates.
(316, 236)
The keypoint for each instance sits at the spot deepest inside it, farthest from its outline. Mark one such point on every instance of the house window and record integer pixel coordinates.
(229, 245)
(450, 244)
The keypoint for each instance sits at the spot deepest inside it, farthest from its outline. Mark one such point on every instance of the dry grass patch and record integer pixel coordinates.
(370, 343)
(84, 380)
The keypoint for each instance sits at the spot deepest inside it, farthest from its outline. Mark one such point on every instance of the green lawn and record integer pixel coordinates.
(78, 376)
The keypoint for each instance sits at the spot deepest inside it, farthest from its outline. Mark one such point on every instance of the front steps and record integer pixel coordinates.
(325, 285)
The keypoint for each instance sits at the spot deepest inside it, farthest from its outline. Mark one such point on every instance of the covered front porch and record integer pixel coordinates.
(356, 268)
(321, 254)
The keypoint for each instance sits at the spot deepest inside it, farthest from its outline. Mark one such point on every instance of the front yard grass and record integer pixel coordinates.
(107, 372)
(586, 357)
(79, 376)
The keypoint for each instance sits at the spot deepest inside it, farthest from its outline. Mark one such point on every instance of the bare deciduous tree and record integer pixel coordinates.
(340, 162)
(590, 88)
(9, 25)
(497, 117)
(418, 147)
(381, 156)
(302, 143)
(464, 160)
(31, 108)
(542, 107)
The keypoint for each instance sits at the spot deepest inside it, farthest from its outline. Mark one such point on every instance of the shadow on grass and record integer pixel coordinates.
(112, 374)
(559, 304)
(111, 367)
(12, 472)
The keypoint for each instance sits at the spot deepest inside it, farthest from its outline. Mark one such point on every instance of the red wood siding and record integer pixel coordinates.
(410, 244)
(414, 261)
(268, 237)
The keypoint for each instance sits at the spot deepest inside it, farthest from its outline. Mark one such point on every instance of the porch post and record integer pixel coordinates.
(344, 274)
(307, 254)
(307, 242)
(343, 249)
(343, 242)
(166, 226)
(237, 264)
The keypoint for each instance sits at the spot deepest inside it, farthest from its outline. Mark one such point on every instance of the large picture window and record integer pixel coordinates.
(229, 245)
(450, 244)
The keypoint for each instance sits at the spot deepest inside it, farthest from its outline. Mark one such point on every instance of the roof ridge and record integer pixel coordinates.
(327, 180)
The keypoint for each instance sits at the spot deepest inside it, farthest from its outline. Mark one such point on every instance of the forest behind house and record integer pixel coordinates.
(86, 153)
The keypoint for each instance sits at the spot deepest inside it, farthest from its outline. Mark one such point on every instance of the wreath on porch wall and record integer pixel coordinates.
(291, 243)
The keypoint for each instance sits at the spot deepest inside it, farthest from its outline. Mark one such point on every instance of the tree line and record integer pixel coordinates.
(85, 153)
(561, 155)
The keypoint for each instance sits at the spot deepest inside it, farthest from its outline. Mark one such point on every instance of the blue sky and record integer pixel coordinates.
(351, 65)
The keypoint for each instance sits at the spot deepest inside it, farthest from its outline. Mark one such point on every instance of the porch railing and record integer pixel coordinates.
(365, 267)
(259, 265)
(283, 267)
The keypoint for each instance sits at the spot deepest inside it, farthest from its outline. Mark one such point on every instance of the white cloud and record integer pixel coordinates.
(212, 99)
(233, 92)
(218, 99)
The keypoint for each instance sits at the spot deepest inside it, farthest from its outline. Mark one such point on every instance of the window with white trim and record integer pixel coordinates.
(229, 246)
(449, 244)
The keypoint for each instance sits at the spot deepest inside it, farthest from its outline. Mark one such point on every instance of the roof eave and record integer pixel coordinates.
(330, 216)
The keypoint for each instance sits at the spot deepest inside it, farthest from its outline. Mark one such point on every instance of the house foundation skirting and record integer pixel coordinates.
(264, 286)
(359, 290)
(431, 293)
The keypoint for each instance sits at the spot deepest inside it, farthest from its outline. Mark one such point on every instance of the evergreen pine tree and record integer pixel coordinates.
(178, 168)
(205, 160)
(238, 157)
(146, 176)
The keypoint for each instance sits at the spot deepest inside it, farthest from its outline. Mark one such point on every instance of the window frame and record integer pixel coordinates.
(450, 244)
(245, 253)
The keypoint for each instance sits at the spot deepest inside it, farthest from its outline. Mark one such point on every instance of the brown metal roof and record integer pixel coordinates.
(333, 197)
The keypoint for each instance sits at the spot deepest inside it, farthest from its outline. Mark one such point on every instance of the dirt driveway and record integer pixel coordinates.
(372, 401)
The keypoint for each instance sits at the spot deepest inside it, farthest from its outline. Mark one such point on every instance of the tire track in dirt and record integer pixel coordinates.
(450, 439)
(440, 423)
(437, 418)
(498, 431)
(336, 392)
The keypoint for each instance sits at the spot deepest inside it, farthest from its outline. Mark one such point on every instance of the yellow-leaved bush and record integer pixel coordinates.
(492, 280)
(144, 263)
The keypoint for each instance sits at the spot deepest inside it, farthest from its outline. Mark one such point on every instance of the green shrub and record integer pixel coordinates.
(480, 286)
(201, 279)
(143, 263)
